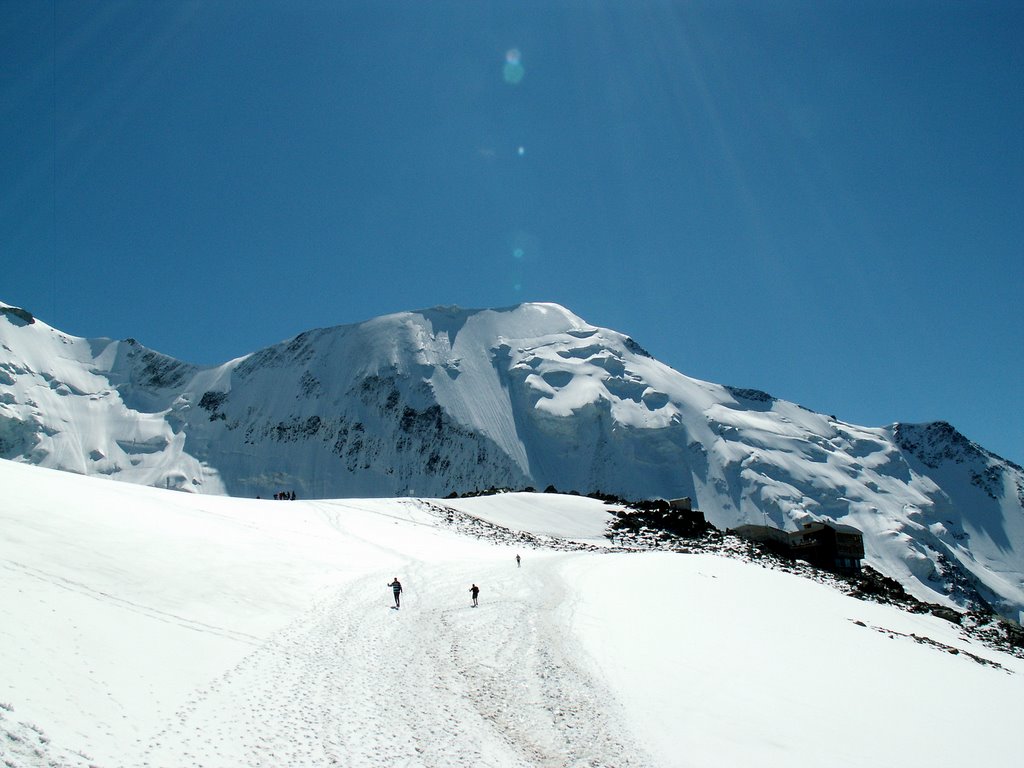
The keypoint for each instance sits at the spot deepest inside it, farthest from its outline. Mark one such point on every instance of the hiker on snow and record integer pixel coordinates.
(517, 562)
(396, 587)
(474, 591)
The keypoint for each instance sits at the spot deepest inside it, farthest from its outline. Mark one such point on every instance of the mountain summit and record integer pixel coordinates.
(447, 399)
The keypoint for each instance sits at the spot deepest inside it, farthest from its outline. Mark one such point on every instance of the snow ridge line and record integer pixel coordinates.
(470, 525)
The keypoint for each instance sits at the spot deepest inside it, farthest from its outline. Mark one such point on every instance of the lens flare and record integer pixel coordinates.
(513, 70)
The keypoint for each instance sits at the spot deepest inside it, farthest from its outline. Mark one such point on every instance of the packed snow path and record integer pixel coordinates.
(355, 682)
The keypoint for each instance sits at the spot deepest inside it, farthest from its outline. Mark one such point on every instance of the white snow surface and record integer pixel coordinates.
(447, 399)
(146, 627)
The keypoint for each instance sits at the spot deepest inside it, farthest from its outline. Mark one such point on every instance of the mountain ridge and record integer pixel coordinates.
(448, 399)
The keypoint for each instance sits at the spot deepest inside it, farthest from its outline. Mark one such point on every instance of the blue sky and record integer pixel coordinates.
(823, 200)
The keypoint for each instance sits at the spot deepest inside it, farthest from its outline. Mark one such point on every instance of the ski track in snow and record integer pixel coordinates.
(128, 605)
(356, 683)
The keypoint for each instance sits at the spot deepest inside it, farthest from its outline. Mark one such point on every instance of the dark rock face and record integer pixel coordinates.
(936, 443)
(17, 437)
(18, 314)
(939, 443)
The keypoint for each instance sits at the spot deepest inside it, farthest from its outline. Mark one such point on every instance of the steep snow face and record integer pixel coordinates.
(94, 406)
(447, 399)
(971, 526)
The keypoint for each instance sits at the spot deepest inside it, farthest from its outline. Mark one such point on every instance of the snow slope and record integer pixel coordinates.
(147, 627)
(427, 402)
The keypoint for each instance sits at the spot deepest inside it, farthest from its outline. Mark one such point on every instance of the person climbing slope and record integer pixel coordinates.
(396, 587)
(474, 591)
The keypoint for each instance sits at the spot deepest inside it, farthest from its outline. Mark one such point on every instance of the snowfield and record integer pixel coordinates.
(145, 627)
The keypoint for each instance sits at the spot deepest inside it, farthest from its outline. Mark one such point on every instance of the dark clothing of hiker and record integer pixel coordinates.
(474, 591)
(517, 562)
(396, 587)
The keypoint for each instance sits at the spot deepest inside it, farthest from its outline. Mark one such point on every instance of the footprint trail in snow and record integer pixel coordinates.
(355, 683)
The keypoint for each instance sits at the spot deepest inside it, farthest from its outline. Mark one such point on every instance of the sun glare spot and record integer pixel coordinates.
(513, 71)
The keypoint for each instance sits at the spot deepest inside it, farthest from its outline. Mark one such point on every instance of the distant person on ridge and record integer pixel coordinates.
(474, 591)
(517, 562)
(396, 587)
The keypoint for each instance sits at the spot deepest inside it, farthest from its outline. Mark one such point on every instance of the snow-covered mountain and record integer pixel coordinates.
(429, 402)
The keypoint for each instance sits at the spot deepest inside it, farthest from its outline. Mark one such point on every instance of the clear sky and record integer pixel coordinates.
(823, 200)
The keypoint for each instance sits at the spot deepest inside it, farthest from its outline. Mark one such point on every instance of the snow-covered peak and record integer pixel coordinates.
(528, 318)
(935, 443)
